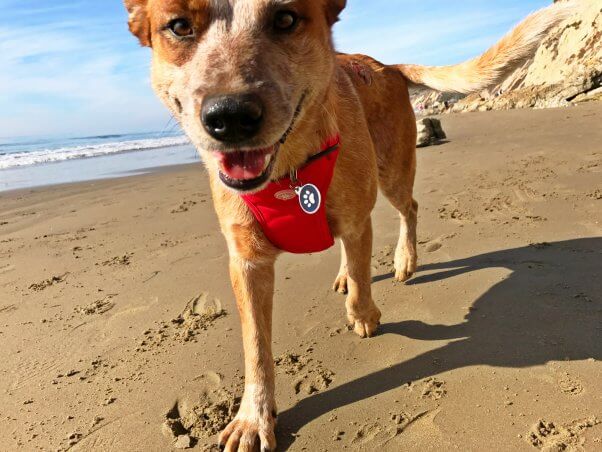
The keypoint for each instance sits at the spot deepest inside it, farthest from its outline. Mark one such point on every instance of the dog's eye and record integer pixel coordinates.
(181, 28)
(285, 20)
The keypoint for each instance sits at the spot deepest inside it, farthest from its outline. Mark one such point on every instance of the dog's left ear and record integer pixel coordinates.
(333, 10)
(138, 21)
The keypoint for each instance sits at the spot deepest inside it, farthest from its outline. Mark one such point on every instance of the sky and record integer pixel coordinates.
(71, 68)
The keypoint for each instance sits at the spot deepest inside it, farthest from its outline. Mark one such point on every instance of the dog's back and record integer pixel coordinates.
(384, 89)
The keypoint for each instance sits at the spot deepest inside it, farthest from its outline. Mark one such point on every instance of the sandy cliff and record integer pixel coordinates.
(566, 69)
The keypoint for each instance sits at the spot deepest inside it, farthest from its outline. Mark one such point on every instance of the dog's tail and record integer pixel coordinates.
(498, 62)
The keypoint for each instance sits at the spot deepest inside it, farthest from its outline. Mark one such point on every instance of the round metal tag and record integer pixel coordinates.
(310, 199)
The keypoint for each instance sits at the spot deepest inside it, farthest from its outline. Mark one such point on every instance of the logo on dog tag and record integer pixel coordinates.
(310, 198)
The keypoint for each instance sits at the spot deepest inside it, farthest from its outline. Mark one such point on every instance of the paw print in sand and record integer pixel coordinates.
(310, 198)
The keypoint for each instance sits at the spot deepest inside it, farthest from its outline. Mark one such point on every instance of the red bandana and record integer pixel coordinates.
(293, 214)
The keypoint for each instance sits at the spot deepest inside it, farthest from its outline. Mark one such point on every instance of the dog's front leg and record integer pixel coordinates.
(253, 283)
(362, 313)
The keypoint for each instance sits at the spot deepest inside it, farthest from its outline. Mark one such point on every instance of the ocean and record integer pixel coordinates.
(33, 162)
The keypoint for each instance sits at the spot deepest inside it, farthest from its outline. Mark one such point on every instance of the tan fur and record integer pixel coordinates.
(365, 101)
(495, 64)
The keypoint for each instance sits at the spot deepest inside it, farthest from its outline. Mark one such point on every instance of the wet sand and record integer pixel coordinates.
(119, 328)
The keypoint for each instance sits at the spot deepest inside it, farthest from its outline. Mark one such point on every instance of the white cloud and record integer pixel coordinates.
(74, 77)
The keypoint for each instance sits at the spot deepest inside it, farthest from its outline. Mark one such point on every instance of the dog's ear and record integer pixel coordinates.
(333, 10)
(138, 21)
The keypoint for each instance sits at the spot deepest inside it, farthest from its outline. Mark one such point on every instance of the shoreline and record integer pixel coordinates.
(160, 161)
(109, 180)
(115, 165)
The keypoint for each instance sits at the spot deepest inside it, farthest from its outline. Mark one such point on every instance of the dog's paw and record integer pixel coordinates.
(403, 275)
(340, 284)
(365, 324)
(249, 434)
(405, 266)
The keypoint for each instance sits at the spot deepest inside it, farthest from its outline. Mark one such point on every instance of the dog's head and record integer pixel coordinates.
(238, 74)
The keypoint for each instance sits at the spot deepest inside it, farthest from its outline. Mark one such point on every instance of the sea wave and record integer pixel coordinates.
(16, 159)
(99, 137)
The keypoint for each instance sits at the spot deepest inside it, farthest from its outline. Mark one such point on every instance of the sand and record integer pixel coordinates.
(119, 329)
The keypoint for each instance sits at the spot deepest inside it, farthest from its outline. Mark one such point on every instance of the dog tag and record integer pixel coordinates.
(310, 198)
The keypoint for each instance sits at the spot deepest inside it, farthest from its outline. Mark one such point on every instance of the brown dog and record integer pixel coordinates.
(258, 88)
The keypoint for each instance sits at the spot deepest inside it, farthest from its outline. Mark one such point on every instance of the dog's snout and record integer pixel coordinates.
(232, 118)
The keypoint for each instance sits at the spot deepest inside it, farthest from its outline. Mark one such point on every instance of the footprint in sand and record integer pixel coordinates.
(212, 379)
(7, 308)
(384, 257)
(311, 376)
(200, 313)
(569, 385)
(170, 243)
(316, 380)
(368, 433)
(548, 436)
(433, 389)
(184, 207)
(97, 307)
(378, 434)
(450, 210)
(195, 418)
(38, 287)
(124, 260)
(432, 247)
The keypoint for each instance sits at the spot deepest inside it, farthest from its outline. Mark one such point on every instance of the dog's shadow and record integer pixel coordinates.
(547, 309)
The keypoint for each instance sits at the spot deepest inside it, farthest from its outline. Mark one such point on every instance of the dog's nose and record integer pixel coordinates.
(234, 118)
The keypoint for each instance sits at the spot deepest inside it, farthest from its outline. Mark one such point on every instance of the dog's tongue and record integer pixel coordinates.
(244, 165)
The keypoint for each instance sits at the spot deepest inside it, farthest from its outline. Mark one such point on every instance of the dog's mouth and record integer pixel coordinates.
(248, 170)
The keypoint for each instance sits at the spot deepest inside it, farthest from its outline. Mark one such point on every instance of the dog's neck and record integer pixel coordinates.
(316, 125)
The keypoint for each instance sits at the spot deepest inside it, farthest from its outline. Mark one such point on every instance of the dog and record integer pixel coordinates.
(259, 89)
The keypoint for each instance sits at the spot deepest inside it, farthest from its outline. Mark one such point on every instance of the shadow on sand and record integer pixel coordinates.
(548, 309)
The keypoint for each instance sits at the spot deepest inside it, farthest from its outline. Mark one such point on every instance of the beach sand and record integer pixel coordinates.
(119, 329)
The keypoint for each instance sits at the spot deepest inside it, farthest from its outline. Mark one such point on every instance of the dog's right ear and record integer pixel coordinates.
(138, 21)
(333, 10)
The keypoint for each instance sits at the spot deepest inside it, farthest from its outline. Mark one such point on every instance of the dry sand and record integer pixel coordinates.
(119, 330)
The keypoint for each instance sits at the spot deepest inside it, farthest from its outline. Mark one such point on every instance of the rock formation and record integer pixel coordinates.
(430, 132)
(566, 69)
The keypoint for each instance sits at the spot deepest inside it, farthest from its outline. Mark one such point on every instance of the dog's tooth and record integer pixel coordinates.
(268, 159)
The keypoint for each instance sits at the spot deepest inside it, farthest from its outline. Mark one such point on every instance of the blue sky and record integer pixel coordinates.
(70, 67)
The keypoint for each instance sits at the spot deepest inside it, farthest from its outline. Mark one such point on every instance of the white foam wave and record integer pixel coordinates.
(15, 159)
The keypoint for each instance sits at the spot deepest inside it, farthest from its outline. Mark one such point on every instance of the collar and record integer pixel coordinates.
(331, 145)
